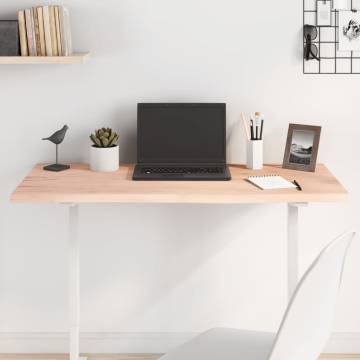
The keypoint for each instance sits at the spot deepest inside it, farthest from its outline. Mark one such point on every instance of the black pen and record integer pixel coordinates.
(261, 129)
(252, 129)
(297, 185)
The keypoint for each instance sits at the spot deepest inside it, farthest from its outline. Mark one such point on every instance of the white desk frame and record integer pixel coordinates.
(74, 282)
(74, 268)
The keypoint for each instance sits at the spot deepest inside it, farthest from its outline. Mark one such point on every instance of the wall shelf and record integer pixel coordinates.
(76, 58)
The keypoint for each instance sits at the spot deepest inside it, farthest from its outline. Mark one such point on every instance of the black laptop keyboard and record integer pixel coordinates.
(183, 170)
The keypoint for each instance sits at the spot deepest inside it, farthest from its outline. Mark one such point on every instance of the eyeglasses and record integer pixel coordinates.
(310, 49)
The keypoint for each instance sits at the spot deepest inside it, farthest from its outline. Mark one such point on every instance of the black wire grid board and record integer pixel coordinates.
(332, 61)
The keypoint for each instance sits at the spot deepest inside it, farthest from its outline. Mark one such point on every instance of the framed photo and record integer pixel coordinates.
(302, 147)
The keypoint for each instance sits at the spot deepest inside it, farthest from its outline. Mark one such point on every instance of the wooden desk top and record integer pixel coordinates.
(80, 185)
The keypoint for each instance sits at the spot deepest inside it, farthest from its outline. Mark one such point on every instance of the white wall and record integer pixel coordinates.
(168, 268)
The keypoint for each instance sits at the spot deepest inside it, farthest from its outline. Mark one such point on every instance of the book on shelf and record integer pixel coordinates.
(36, 30)
(57, 24)
(65, 31)
(9, 38)
(39, 11)
(30, 33)
(22, 33)
(45, 31)
(53, 31)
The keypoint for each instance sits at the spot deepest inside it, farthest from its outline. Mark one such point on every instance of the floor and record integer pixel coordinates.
(89, 357)
(137, 357)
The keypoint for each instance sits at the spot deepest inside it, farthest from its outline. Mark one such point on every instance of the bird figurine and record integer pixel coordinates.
(57, 138)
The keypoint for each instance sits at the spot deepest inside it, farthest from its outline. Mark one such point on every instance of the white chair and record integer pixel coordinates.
(305, 327)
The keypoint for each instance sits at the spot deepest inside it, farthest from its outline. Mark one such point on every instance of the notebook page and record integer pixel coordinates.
(269, 182)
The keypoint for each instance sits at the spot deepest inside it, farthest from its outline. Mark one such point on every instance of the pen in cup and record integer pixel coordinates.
(252, 129)
(257, 125)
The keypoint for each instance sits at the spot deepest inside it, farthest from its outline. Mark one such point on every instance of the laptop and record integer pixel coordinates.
(181, 141)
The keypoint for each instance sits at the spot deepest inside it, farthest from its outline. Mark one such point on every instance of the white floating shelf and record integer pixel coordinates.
(76, 58)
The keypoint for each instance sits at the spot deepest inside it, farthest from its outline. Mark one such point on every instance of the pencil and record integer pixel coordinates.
(246, 126)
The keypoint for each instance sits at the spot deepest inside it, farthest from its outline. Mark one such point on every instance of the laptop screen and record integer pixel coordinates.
(182, 133)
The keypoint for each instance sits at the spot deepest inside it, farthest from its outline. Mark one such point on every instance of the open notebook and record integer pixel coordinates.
(268, 182)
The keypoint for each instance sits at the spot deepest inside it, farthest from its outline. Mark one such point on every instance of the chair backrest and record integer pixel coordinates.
(307, 322)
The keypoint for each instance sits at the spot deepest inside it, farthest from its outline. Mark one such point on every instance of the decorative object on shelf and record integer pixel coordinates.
(57, 138)
(302, 147)
(104, 153)
(9, 38)
(310, 49)
(45, 31)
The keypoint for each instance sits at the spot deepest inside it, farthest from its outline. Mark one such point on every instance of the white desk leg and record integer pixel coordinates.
(293, 246)
(74, 282)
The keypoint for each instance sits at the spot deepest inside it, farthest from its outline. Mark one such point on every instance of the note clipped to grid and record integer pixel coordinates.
(323, 17)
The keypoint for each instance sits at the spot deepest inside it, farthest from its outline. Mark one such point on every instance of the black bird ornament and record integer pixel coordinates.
(57, 138)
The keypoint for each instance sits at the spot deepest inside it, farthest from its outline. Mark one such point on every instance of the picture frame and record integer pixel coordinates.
(302, 147)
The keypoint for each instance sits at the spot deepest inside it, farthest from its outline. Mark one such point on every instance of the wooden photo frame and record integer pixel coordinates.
(302, 147)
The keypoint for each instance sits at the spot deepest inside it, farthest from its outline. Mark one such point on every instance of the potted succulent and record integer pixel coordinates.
(104, 152)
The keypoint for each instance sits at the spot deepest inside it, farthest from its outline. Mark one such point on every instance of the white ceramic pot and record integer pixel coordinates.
(104, 159)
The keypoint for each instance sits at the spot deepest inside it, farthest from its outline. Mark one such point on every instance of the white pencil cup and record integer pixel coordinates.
(254, 154)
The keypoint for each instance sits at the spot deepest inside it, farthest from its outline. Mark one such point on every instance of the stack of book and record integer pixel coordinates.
(45, 31)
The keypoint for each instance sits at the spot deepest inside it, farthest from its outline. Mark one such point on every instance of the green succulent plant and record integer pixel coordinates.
(104, 138)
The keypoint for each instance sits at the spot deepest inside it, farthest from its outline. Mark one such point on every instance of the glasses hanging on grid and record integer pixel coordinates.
(310, 49)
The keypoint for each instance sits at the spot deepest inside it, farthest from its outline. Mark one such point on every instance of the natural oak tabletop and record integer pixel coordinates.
(80, 185)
